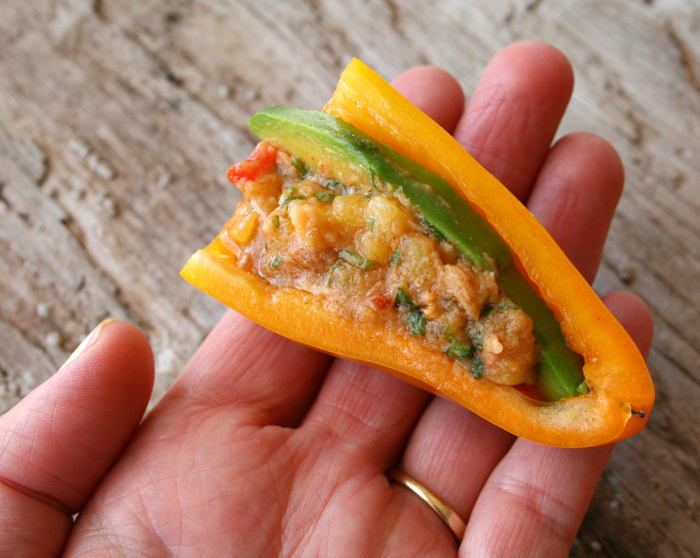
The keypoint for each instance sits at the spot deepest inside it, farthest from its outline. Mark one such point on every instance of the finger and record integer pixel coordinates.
(539, 495)
(266, 378)
(634, 314)
(58, 442)
(512, 116)
(453, 451)
(366, 412)
(435, 92)
(575, 196)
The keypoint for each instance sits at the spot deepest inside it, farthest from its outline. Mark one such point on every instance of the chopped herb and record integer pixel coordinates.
(395, 259)
(293, 198)
(374, 179)
(276, 262)
(325, 196)
(276, 221)
(335, 185)
(288, 196)
(459, 350)
(476, 366)
(487, 311)
(355, 260)
(370, 224)
(415, 321)
(368, 195)
(478, 340)
(329, 275)
(448, 333)
(299, 165)
(404, 301)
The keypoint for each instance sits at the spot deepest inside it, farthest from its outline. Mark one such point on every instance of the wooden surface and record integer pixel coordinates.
(118, 120)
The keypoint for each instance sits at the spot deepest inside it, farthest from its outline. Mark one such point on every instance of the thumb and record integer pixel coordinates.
(58, 442)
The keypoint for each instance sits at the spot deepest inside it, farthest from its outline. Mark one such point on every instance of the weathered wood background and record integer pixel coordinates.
(118, 120)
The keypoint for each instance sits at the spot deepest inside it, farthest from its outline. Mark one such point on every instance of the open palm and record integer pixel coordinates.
(266, 448)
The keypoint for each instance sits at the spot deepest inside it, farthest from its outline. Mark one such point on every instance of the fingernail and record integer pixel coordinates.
(87, 342)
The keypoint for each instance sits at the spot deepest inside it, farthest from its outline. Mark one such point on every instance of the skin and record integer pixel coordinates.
(266, 448)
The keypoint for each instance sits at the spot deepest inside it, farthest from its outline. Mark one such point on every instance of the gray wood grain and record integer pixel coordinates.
(118, 121)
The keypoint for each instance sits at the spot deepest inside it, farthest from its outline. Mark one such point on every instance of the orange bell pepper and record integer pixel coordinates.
(621, 393)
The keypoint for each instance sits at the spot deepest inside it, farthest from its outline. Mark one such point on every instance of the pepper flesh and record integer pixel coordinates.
(614, 369)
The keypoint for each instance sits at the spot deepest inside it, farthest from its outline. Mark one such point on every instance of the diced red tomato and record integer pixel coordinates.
(382, 301)
(529, 391)
(260, 162)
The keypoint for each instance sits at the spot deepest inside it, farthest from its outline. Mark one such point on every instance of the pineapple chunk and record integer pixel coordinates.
(314, 228)
(349, 212)
(386, 221)
(241, 227)
(419, 260)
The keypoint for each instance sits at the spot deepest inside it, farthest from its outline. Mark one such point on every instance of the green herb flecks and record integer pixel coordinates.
(415, 319)
(459, 350)
(478, 340)
(325, 196)
(337, 187)
(299, 165)
(403, 301)
(355, 260)
(476, 366)
(370, 224)
(487, 311)
(395, 259)
(332, 184)
(288, 195)
(329, 274)
(276, 262)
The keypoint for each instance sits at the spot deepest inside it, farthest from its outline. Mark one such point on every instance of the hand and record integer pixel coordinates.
(266, 448)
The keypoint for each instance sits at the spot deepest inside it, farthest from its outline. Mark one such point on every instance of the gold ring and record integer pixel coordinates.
(445, 512)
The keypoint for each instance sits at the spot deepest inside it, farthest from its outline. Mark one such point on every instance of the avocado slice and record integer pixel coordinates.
(350, 156)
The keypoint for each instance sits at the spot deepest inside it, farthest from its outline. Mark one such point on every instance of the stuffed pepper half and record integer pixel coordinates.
(367, 232)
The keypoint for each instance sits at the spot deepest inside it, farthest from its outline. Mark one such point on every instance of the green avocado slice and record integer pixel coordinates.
(353, 157)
